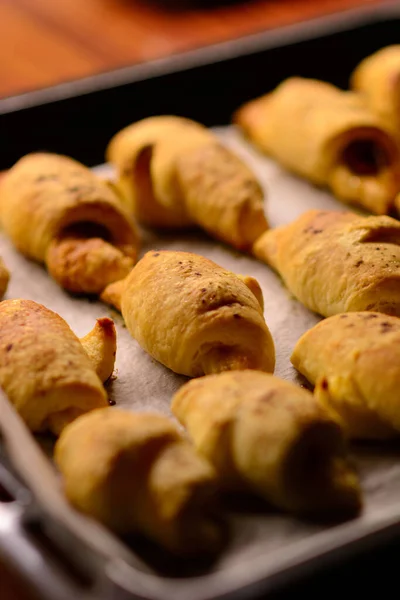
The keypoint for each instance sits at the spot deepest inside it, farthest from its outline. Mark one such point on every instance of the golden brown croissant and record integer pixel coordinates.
(4, 278)
(354, 362)
(136, 473)
(146, 171)
(56, 211)
(336, 262)
(175, 173)
(377, 78)
(193, 316)
(328, 136)
(271, 437)
(44, 368)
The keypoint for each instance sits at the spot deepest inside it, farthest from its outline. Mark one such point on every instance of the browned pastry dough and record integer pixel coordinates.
(377, 78)
(222, 195)
(44, 369)
(4, 278)
(146, 167)
(354, 362)
(336, 262)
(86, 265)
(271, 437)
(56, 211)
(175, 173)
(137, 473)
(113, 293)
(193, 316)
(328, 136)
(100, 345)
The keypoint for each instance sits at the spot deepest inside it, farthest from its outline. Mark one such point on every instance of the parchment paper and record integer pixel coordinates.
(261, 542)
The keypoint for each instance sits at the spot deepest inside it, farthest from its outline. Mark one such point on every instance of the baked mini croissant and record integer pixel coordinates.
(44, 369)
(136, 473)
(377, 78)
(328, 136)
(175, 173)
(193, 316)
(266, 435)
(57, 212)
(354, 362)
(335, 262)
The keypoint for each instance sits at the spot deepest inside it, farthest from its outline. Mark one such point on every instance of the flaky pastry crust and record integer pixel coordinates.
(58, 212)
(353, 360)
(44, 369)
(328, 136)
(377, 78)
(174, 173)
(193, 316)
(268, 436)
(136, 473)
(336, 262)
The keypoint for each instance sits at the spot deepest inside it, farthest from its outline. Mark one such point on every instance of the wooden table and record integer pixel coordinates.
(44, 42)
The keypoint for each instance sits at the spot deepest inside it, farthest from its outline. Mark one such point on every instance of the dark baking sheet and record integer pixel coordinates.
(82, 122)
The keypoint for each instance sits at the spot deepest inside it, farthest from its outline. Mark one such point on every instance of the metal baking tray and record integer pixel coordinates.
(61, 553)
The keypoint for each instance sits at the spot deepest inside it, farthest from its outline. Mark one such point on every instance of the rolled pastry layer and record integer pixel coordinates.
(100, 345)
(328, 136)
(57, 212)
(4, 278)
(335, 262)
(44, 369)
(377, 78)
(193, 316)
(175, 173)
(354, 362)
(136, 473)
(271, 437)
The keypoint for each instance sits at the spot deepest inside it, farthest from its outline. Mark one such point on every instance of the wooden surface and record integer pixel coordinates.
(45, 42)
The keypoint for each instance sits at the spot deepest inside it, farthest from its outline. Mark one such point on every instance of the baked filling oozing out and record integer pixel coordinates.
(365, 157)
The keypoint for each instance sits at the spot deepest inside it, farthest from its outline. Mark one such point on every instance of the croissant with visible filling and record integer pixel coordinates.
(270, 437)
(336, 262)
(354, 362)
(136, 473)
(57, 212)
(377, 78)
(175, 173)
(328, 136)
(194, 316)
(44, 368)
